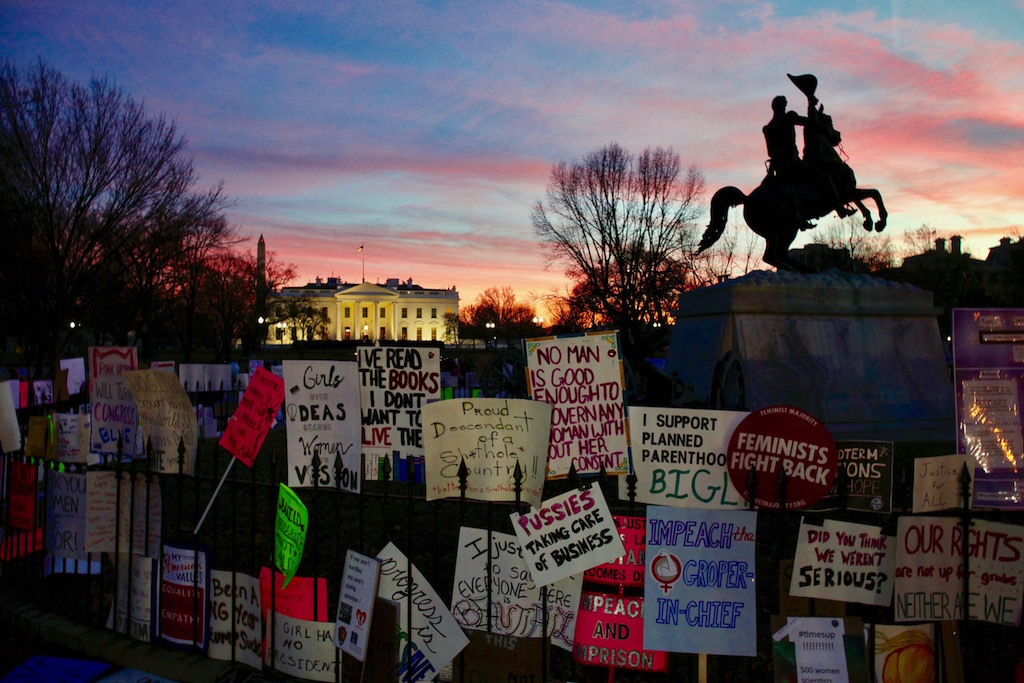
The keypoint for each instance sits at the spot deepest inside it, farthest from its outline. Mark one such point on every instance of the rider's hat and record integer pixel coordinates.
(806, 83)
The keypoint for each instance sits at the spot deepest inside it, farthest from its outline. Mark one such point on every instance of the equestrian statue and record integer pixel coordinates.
(795, 191)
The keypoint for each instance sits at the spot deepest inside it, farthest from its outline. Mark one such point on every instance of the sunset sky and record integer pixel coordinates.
(427, 130)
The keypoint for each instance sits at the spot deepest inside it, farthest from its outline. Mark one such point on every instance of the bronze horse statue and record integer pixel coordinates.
(778, 209)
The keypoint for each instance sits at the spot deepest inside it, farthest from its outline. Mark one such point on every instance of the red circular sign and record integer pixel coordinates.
(780, 439)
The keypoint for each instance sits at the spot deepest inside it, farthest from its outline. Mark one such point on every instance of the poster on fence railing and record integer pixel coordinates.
(236, 624)
(321, 406)
(432, 637)
(114, 417)
(356, 599)
(21, 501)
(867, 469)
(302, 598)
(10, 432)
(302, 648)
(185, 596)
(496, 658)
(66, 514)
(611, 634)
(289, 532)
(139, 505)
(72, 437)
(929, 570)
(134, 608)
(247, 428)
(582, 378)
(490, 435)
(166, 418)
(516, 603)
(627, 570)
(678, 456)
(699, 593)
(937, 483)
(844, 561)
(395, 382)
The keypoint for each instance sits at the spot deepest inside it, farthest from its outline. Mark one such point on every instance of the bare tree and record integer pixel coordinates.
(511, 319)
(621, 224)
(865, 252)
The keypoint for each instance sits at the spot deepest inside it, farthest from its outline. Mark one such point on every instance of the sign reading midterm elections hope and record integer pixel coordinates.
(780, 439)
(490, 435)
(679, 457)
(322, 410)
(581, 377)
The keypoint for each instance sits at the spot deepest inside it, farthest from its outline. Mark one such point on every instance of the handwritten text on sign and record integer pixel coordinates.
(236, 627)
(611, 633)
(66, 511)
(113, 412)
(627, 570)
(184, 587)
(865, 467)
(166, 417)
(581, 377)
(247, 428)
(844, 561)
(394, 384)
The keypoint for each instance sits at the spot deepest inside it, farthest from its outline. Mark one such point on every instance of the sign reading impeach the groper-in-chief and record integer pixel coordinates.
(679, 457)
(582, 378)
(776, 440)
(491, 435)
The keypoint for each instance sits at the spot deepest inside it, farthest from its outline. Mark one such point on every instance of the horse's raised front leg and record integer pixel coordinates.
(876, 196)
(868, 221)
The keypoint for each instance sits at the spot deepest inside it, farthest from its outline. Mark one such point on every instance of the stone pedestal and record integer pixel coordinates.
(861, 354)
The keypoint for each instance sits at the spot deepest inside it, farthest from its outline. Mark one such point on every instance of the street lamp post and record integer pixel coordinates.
(490, 331)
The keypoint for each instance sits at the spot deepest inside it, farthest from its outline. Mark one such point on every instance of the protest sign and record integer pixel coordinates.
(236, 624)
(289, 532)
(582, 378)
(627, 570)
(381, 662)
(138, 506)
(567, 535)
(900, 648)
(820, 650)
(679, 457)
(516, 603)
(866, 467)
(780, 439)
(75, 368)
(10, 432)
(21, 499)
(302, 648)
(395, 382)
(166, 418)
(66, 503)
(937, 483)
(844, 561)
(491, 435)
(114, 415)
(611, 633)
(490, 657)
(929, 570)
(429, 636)
(42, 392)
(302, 598)
(72, 444)
(247, 428)
(355, 603)
(322, 409)
(135, 615)
(39, 439)
(700, 581)
(184, 596)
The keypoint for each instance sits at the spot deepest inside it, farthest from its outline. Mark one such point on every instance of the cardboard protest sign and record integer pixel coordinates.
(39, 442)
(627, 570)
(114, 416)
(134, 615)
(21, 499)
(184, 596)
(844, 561)
(491, 435)
(516, 603)
(937, 483)
(929, 570)
(679, 457)
(611, 634)
(395, 382)
(567, 535)
(247, 428)
(780, 439)
(867, 468)
(699, 590)
(582, 378)
(236, 631)
(10, 432)
(358, 594)
(302, 648)
(322, 409)
(302, 598)
(499, 658)
(289, 532)
(72, 437)
(166, 417)
(429, 635)
(66, 503)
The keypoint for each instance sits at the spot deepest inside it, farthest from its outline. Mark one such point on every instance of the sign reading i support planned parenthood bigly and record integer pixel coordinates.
(582, 378)
(699, 591)
(322, 410)
(776, 440)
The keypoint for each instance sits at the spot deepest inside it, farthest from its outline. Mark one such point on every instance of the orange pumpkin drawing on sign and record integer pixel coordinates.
(909, 657)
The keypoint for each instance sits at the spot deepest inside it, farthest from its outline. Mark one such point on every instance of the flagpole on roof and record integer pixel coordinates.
(360, 250)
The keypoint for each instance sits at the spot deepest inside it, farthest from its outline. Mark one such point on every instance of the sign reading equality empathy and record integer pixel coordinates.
(247, 428)
(582, 378)
(779, 439)
(844, 561)
(699, 590)
(114, 416)
(322, 410)
(491, 435)
(184, 596)
(567, 534)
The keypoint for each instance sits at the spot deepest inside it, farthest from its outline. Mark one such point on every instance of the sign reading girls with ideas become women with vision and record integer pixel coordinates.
(581, 377)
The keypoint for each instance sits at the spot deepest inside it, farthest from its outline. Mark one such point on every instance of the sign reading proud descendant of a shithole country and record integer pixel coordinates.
(582, 378)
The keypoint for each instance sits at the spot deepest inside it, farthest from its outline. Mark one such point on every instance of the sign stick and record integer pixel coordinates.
(214, 496)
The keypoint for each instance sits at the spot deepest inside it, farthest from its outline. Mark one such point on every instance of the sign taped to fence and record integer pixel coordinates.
(72, 437)
(21, 503)
(929, 570)
(247, 428)
(867, 468)
(236, 622)
(66, 513)
(296, 599)
(166, 417)
(184, 596)
(611, 634)
(114, 416)
(429, 637)
(356, 599)
(582, 378)
(135, 610)
(10, 432)
(490, 435)
(844, 561)
(516, 604)
(937, 483)
(302, 648)
(699, 590)
(289, 532)
(679, 457)
(627, 570)
(322, 408)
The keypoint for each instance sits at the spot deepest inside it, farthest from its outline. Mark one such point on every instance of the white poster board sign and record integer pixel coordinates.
(844, 561)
